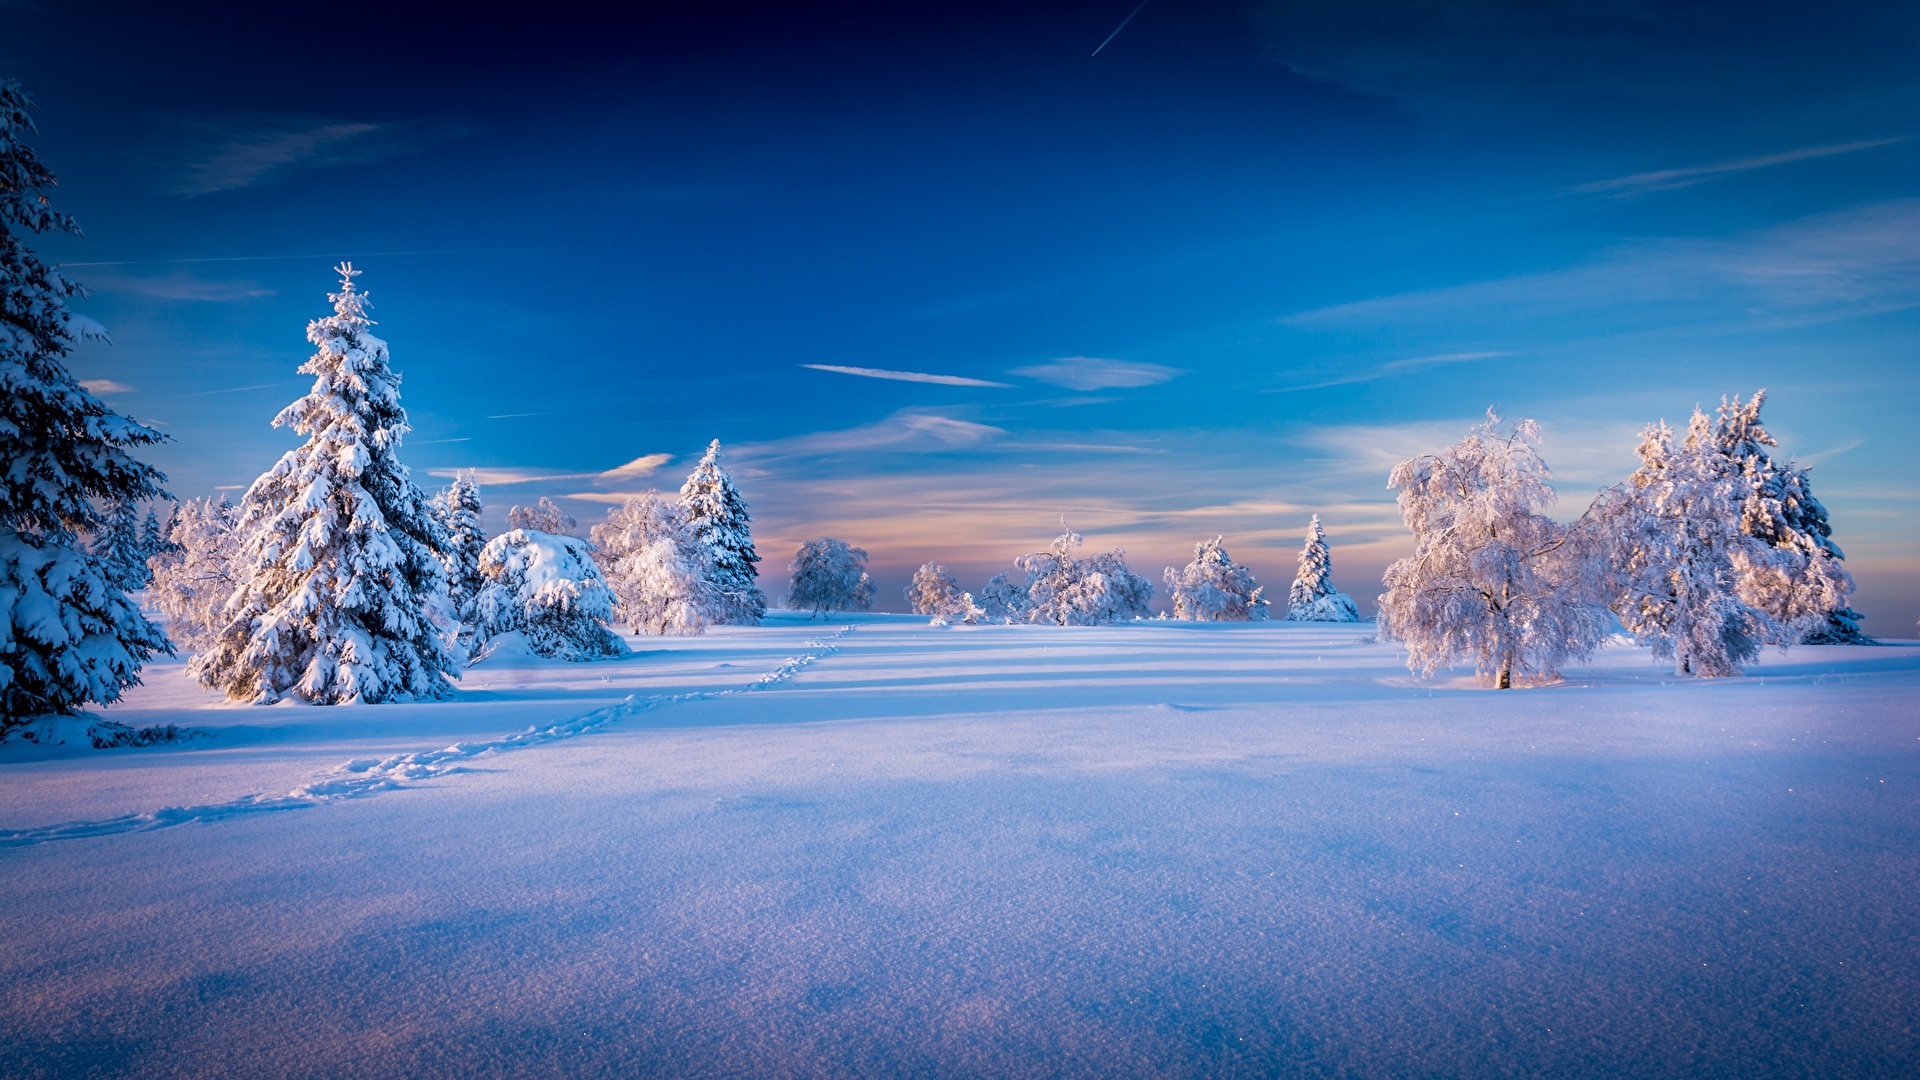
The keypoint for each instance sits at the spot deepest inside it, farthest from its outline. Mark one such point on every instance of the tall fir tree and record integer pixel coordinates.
(153, 541)
(117, 546)
(459, 509)
(68, 633)
(338, 544)
(1313, 597)
(721, 527)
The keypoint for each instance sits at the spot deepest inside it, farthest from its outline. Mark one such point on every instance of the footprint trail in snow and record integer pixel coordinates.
(367, 776)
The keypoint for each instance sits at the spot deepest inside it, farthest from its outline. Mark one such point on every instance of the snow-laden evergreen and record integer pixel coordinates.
(459, 509)
(1491, 580)
(338, 544)
(196, 571)
(68, 633)
(1214, 588)
(829, 575)
(545, 588)
(724, 531)
(1313, 597)
(1064, 590)
(656, 568)
(153, 541)
(544, 517)
(934, 591)
(117, 546)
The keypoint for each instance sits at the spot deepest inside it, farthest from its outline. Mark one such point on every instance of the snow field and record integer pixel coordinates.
(1232, 849)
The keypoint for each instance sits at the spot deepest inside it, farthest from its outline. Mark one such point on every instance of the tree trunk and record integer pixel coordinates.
(1506, 676)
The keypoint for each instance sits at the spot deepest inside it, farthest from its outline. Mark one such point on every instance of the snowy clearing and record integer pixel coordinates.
(1150, 849)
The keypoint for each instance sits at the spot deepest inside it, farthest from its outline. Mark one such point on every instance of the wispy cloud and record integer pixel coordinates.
(1096, 373)
(495, 476)
(233, 389)
(909, 430)
(105, 386)
(1390, 369)
(906, 376)
(1669, 179)
(174, 287)
(206, 155)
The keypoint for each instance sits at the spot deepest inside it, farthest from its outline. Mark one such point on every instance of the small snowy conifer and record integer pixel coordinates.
(545, 587)
(1214, 588)
(721, 526)
(934, 591)
(197, 571)
(1313, 597)
(68, 633)
(459, 510)
(1491, 579)
(829, 575)
(657, 570)
(153, 541)
(1064, 590)
(117, 546)
(338, 544)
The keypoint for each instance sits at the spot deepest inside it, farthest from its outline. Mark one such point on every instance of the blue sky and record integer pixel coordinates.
(1214, 279)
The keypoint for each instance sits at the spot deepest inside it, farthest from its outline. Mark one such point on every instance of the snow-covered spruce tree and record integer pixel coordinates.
(720, 523)
(934, 591)
(459, 511)
(68, 633)
(544, 516)
(196, 572)
(1003, 599)
(1214, 588)
(655, 567)
(829, 575)
(153, 541)
(1679, 560)
(337, 544)
(545, 587)
(1313, 597)
(1491, 578)
(117, 546)
(1803, 586)
(1067, 591)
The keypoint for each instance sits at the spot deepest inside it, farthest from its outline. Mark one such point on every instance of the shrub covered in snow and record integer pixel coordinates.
(1003, 599)
(544, 516)
(197, 571)
(1313, 597)
(829, 575)
(545, 587)
(656, 568)
(934, 591)
(1491, 579)
(723, 531)
(338, 545)
(68, 633)
(1214, 588)
(1064, 590)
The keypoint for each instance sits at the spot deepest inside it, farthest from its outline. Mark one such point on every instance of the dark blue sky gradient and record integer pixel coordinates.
(593, 237)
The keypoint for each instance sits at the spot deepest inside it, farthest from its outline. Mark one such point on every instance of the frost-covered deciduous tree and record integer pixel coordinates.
(656, 568)
(829, 575)
(1003, 599)
(1313, 597)
(339, 546)
(544, 516)
(68, 633)
(197, 571)
(546, 588)
(1065, 590)
(1491, 579)
(459, 509)
(934, 591)
(117, 546)
(720, 524)
(1214, 588)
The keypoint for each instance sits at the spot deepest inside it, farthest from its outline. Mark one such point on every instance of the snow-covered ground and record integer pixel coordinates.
(1155, 849)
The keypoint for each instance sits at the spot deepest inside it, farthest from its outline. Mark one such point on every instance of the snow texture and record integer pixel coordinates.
(338, 545)
(724, 531)
(545, 587)
(1214, 588)
(1313, 597)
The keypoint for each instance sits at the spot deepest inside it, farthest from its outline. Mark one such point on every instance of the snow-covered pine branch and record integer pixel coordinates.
(1313, 597)
(1491, 580)
(724, 532)
(1064, 590)
(197, 571)
(829, 575)
(68, 633)
(1214, 588)
(545, 516)
(546, 588)
(656, 568)
(934, 591)
(338, 544)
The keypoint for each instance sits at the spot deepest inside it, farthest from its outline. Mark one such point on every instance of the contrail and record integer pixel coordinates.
(1117, 29)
